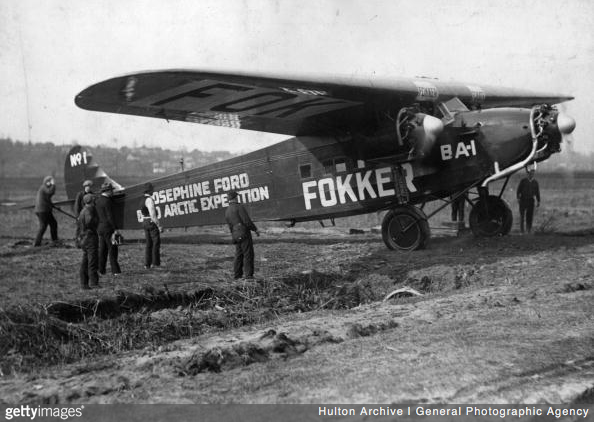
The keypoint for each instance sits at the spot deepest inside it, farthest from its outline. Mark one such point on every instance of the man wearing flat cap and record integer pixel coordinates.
(105, 229)
(152, 229)
(241, 226)
(526, 193)
(43, 210)
(78, 200)
(89, 241)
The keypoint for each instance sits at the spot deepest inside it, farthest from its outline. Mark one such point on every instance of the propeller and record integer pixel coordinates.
(565, 123)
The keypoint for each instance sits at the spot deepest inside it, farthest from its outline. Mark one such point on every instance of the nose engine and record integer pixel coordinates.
(549, 126)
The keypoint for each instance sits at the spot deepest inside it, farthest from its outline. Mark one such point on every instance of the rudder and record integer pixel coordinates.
(78, 167)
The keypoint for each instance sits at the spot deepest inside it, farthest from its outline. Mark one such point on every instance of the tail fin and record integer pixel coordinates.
(78, 167)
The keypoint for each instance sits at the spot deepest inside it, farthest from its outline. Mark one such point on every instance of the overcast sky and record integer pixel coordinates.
(52, 49)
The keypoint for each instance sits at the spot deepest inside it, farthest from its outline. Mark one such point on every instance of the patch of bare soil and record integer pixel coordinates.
(502, 320)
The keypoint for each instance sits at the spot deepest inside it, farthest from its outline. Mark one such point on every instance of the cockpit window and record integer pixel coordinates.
(340, 165)
(449, 108)
(455, 105)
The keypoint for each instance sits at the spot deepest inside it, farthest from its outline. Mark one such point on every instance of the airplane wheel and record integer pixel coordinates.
(493, 218)
(405, 228)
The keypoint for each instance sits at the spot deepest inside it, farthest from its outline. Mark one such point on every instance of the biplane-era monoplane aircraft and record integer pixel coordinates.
(357, 146)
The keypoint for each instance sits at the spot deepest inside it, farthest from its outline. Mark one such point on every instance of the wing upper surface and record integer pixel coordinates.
(291, 106)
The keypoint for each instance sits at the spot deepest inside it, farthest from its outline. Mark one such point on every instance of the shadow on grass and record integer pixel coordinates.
(471, 250)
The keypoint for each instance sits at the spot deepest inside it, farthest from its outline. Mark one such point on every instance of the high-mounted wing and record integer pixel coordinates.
(291, 106)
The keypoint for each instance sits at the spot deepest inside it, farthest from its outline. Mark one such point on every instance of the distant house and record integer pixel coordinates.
(158, 168)
(189, 163)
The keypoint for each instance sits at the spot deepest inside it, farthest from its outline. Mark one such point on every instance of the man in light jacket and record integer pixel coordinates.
(152, 229)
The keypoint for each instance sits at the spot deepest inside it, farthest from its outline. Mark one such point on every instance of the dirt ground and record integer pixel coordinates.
(500, 320)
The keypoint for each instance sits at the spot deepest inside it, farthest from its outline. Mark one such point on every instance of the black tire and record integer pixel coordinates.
(405, 228)
(491, 218)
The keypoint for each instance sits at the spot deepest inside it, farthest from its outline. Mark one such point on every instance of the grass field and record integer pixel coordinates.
(48, 323)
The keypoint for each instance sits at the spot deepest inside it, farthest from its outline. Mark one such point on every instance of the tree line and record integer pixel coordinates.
(28, 159)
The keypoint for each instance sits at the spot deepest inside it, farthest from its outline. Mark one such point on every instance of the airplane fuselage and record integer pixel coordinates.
(313, 178)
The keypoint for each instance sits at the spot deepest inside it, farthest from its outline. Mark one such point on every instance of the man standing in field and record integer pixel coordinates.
(78, 200)
(105, 229)
(457, 211)
(43, 210)
(527, 191)
(152, 229)
(241, 226)
(87, 232)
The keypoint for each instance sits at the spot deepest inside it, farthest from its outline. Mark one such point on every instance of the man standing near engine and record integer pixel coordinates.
(152, 229)
(105, 229)
(241, 226)
(527, 191)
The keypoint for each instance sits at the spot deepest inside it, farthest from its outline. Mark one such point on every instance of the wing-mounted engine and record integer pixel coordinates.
(417, 131)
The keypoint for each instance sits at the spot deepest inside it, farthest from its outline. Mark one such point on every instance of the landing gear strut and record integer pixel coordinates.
(490, 216)
(405, 228)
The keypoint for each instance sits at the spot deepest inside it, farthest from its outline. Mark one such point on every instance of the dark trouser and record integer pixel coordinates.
(107, 249)
(88, 265)
(458, 209)
(527, 210)
(244, 258)
(46, 218)
(152, 251)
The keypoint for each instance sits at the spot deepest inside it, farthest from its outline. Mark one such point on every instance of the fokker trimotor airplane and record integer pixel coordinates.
(358, 146)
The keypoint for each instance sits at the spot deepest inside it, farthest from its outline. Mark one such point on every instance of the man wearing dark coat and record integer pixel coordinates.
(241, 225)
(78, 200)
(457, 211)
(527, 191)
(106, 228)
(87, 233)
(43, 210)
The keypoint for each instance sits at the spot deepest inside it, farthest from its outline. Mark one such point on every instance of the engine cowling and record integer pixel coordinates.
(418, 131)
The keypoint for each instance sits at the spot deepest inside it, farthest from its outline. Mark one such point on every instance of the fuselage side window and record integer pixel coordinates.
(328, 166)
(341, 166)
(305, 171)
